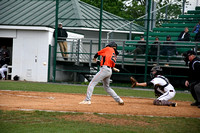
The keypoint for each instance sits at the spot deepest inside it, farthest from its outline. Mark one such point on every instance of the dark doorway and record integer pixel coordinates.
(9, 43)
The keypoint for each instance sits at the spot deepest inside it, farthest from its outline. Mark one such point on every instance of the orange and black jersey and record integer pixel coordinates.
(108, 56)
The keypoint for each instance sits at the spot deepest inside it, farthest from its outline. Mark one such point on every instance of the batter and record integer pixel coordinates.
(109, 56)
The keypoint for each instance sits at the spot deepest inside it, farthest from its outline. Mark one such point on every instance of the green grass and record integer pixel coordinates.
(53, 122)
(81, 89)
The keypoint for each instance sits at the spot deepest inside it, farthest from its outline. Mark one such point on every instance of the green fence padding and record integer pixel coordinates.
(177, 25)
(182, 50)
(185, 20)
(126, 48)
(164, 34)
(171, 29)
(193, 12)
(161, 38)
(189, 16)
(197, 8)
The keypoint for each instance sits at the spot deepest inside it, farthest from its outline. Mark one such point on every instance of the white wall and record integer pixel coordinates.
(30, 52)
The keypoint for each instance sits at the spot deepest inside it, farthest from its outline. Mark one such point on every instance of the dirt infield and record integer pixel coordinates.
(21, 100)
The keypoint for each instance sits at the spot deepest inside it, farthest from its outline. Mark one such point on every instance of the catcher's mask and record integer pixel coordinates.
(186, 56)
(157, 70)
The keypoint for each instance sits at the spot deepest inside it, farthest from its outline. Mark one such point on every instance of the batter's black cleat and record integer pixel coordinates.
(174, 104)
(195, 104)
(198, 106)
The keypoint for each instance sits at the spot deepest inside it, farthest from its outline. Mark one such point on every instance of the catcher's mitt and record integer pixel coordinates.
(133, 81)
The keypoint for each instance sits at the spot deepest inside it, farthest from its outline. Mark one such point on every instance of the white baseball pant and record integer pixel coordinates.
(104, 74)
(2, 70)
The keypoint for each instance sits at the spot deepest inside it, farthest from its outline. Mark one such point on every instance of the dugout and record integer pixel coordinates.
(29, 50)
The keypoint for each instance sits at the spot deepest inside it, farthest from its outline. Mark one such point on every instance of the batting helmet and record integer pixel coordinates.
(157, 70)
(112, 44)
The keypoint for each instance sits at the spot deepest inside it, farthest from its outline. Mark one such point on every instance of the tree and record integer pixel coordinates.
(136, 8)
(169, 12)
(173, 10)
(113, 6)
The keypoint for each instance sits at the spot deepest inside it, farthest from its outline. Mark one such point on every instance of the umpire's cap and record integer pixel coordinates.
(112, 44)
(191, 52)
(187, 54)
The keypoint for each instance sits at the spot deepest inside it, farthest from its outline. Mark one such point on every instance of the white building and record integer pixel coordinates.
(30, 50)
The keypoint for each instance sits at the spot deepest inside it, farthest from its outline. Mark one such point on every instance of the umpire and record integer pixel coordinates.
(193, 81)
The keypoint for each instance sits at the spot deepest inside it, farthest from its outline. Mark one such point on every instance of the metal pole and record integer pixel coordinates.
(49, 64)
(196, 47)
(146, 12)
(56, 36)
(100, 28)
(166, 10)
(78, 50)
(158, 54)
(153, 23)
(100, 25)
(130, 33)
(183, 7)
(73, 55)
(123, 54)
(90, 53)
(147, 41)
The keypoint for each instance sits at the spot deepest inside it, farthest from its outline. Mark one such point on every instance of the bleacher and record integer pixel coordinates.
(173, 28)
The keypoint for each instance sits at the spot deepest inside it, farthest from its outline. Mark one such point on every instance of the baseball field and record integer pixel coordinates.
(52, 107)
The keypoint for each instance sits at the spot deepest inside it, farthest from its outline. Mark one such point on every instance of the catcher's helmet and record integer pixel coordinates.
(112, 44)
(157, 70)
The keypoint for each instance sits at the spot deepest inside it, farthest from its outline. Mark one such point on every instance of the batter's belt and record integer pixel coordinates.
(106, 66)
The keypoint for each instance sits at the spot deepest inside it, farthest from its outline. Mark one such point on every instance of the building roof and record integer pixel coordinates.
(72, 14)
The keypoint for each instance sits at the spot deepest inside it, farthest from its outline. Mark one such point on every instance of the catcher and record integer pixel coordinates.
(164, 91)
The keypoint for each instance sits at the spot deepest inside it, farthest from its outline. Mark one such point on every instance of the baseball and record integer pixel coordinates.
(44, 63)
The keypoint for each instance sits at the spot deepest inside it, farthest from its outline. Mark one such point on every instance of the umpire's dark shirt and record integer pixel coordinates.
(194, 67)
